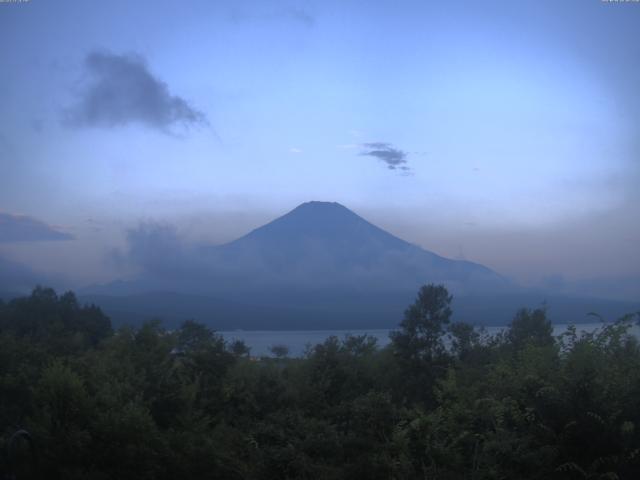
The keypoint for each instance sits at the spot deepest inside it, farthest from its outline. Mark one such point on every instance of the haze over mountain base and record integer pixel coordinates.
(319, 266)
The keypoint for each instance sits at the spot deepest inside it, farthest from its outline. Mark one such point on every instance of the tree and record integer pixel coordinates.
(279, 350)
(239, 348)
(464, 338)
(59, 322)
(195, 337)
(150, 403)
(530, 327)
(420, 337)
(418, 346)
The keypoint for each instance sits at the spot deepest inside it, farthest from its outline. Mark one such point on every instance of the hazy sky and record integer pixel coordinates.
(504, 132)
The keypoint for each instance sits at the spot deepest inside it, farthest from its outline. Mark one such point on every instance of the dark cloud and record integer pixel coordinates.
(394, 158)
(18, 228)
(164, 260)
(121, 90)
(154, 247)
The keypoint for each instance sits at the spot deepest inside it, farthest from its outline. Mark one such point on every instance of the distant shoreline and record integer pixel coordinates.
(260, 341)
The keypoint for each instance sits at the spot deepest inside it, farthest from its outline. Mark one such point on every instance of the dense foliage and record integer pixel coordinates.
(442, 401)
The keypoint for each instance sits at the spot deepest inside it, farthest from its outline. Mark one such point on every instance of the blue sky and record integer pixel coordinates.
(515, 125)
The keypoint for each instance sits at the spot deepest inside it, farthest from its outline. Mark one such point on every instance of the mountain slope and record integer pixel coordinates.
(325, 245)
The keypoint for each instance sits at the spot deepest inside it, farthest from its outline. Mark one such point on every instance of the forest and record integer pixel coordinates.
(444, 400)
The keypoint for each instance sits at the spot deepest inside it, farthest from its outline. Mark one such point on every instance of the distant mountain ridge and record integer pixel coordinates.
(318, 265)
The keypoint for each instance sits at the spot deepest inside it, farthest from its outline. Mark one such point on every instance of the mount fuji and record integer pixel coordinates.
(318, 266)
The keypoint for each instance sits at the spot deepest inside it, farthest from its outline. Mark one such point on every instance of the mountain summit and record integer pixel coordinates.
(320, 223)
(322, 220)
(326, 245)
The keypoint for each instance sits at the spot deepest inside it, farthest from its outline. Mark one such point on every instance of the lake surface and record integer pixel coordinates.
(260, 341)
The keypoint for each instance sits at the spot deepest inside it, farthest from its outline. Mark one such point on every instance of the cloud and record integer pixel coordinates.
(121, 90)
(392, 157)
(19, 228)
(154, 247)
(165, 260)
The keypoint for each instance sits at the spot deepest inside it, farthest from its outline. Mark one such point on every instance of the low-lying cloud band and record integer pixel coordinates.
(20, 228)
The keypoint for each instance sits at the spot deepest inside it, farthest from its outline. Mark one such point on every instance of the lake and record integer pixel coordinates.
(259, 341)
